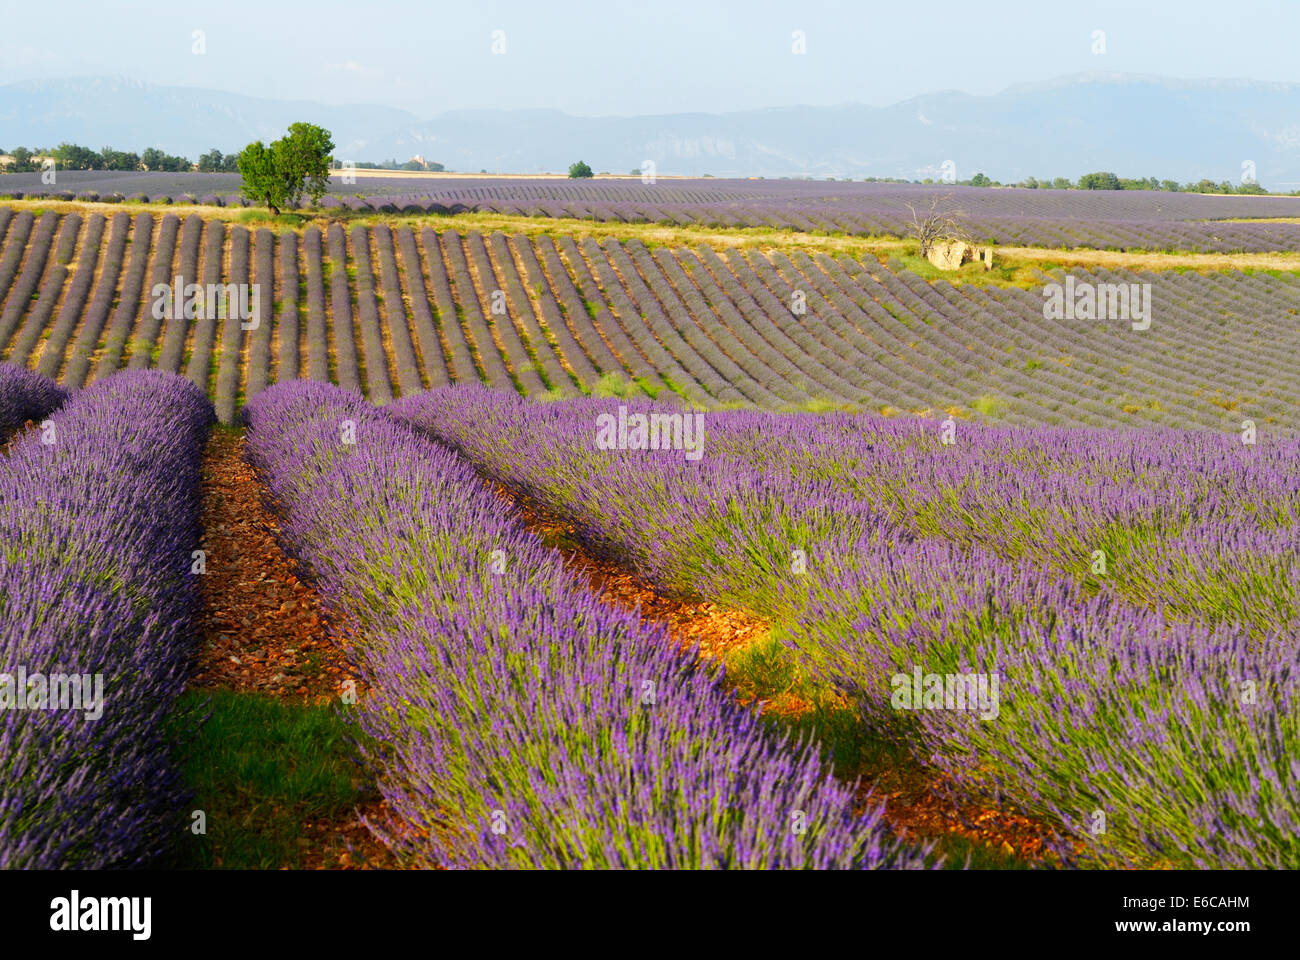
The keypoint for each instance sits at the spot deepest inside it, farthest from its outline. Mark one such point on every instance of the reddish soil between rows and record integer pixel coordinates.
(265, 631)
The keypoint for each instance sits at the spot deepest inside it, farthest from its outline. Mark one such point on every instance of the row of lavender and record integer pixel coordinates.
(1131, 600)
(90, 196)
(515, 719)
(99, 520)
(386, 312)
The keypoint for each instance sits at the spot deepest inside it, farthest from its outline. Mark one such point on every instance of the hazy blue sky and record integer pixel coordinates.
(608, 57)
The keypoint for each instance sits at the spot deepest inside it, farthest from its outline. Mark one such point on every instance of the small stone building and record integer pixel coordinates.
(952, 254)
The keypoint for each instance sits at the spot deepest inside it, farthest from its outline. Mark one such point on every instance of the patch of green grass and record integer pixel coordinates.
(1003, 274)
(259, 215)
(648, 387)
(259, 769)
(989, 405)
(613, 385)
(823, 405)
(763, 671)
(960, 853)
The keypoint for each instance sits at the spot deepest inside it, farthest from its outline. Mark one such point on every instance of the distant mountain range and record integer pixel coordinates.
(1133, 125)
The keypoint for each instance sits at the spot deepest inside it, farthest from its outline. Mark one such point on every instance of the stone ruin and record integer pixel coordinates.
(952, 254)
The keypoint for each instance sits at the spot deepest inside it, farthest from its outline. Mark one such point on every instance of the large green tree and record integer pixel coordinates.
(279, 174)
(262, 181)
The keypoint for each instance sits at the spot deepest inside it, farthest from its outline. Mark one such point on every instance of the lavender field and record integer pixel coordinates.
(1060, 219)
(599, 554)
(388, 311)
(1123, 604)
(446, 444)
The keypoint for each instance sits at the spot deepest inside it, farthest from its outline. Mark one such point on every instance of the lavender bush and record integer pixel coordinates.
(24, 396)
(99, 519)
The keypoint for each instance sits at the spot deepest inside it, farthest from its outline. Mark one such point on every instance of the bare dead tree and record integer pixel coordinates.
(937, 224)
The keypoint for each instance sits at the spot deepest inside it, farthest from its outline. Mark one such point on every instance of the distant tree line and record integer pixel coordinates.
(72, 156)
(1105, 180)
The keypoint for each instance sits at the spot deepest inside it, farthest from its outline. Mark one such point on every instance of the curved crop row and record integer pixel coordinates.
(15, 245)
(128, 302)
(461, 358)
(503, 319)
(199, 367)
(829, 370)
(182, 309)
(788, 364)
(712, 340)
(20, 296)
(568, 350)
(580, 323)
(782, 329)
(644, 318)
(520, 721)
(426, 332)
(96, 315)
(480, 334)
(52, 287)
(732, 331)
(521, 310)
